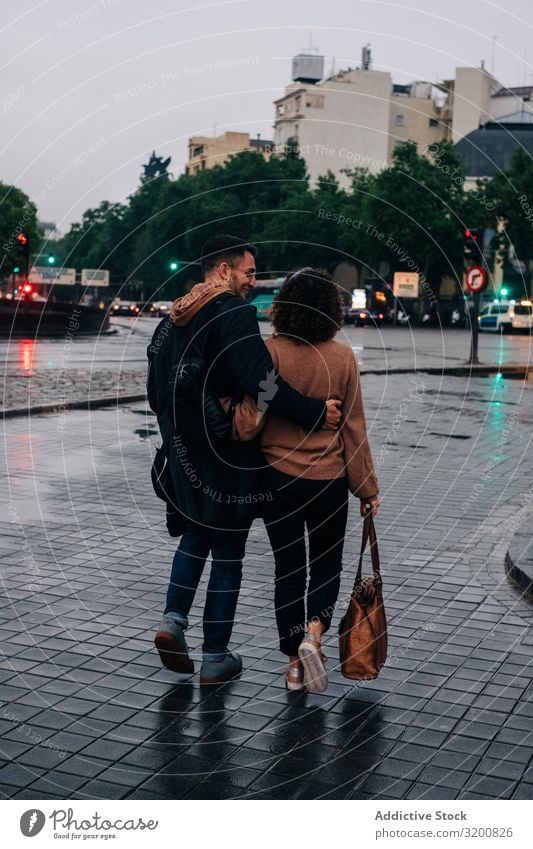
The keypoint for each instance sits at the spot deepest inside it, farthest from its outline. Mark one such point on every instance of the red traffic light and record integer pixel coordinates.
(27, 288)
(22, 239)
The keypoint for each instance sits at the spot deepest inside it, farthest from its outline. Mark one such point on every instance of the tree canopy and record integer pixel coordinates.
(411, 215)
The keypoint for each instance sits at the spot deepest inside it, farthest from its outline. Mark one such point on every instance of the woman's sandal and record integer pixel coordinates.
(315, 675)
(294, 677)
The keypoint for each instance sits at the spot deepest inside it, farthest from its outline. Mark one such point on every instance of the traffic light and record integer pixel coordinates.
(27, 290)
(473, 244)
(51, 259)
(174, 265)
(22, 247)
(16, 269)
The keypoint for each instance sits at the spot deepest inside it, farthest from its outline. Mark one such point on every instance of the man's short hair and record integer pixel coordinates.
(223, 248)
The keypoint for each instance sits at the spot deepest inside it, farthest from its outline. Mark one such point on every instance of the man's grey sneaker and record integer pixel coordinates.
(170, 643)
(216, 669)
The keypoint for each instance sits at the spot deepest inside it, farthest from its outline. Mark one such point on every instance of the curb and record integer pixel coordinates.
(518, 577)
(513, 370)
(88, 404)
(519, 552)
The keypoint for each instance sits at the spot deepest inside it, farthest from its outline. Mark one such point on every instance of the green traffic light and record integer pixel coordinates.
(174, 265)
(51, 259)
(16, 269)
(504, 292)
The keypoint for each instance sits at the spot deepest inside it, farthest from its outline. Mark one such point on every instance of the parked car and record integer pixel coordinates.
(506, 316)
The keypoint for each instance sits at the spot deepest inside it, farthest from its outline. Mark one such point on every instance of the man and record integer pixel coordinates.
(216, 481)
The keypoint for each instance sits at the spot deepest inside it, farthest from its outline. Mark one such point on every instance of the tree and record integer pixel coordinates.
(410, 216)
(100, 240)
(511, 194)
(18, 214)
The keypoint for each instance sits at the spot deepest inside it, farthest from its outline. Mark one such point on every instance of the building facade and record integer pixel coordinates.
(355, 118)
(207, 151)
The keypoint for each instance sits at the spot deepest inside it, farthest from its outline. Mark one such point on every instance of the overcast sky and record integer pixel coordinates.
(90, 88)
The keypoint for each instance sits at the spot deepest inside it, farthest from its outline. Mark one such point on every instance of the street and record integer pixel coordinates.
(54, 371)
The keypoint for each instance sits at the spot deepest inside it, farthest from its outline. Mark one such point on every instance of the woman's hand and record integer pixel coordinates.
(333, 414)
(370, 505)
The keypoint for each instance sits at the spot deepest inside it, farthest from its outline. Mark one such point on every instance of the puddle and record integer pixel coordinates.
(145, 432)
(141, 412)
(450, 435)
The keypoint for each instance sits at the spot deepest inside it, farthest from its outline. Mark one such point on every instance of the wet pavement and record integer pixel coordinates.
(88, 712)
(71, 370)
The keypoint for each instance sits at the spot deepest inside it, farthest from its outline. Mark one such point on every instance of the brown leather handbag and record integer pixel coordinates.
(363, 628)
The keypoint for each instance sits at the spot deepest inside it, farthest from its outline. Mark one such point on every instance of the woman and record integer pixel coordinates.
(310, 474)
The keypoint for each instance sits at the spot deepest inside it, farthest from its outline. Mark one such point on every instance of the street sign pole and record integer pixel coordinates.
(475, 330)
(475, 281)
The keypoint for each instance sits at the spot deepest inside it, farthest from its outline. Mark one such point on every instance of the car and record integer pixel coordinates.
(364, 316)
(262, 297)
(125, 308)
(356, 308)
(161, 308)
(146, 308)
(506, 316)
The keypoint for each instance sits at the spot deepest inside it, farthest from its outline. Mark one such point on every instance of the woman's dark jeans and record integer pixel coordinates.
(227, 551)
(321, 507)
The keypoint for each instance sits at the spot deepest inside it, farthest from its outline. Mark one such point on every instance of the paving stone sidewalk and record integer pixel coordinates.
(87, 711)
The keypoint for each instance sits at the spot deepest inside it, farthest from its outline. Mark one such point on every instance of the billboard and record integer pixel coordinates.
(94, 277)
(52, 276)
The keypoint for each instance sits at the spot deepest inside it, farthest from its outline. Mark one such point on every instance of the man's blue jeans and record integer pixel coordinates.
(227, 551)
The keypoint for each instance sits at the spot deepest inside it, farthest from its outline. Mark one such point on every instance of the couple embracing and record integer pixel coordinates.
(250, 428)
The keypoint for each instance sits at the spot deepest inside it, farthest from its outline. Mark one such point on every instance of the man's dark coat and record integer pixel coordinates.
(219, 483)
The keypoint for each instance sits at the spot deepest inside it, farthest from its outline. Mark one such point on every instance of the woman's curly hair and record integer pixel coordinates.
(308, 307)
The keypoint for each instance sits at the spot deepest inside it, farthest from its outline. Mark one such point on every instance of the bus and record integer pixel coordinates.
(263, 295)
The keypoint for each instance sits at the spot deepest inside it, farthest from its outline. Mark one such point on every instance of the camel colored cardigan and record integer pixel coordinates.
(325, 370)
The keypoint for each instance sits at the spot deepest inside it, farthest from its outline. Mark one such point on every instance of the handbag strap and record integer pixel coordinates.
(369, 533)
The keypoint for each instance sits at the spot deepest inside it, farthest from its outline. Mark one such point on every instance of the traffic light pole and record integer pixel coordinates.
(474, 360)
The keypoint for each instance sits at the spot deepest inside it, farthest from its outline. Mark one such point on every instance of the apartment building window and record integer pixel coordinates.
(197, 151)
(433, 122)
(315, 101)
(399, 120)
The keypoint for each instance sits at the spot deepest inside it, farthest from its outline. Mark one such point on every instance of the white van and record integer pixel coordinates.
(506, 316)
